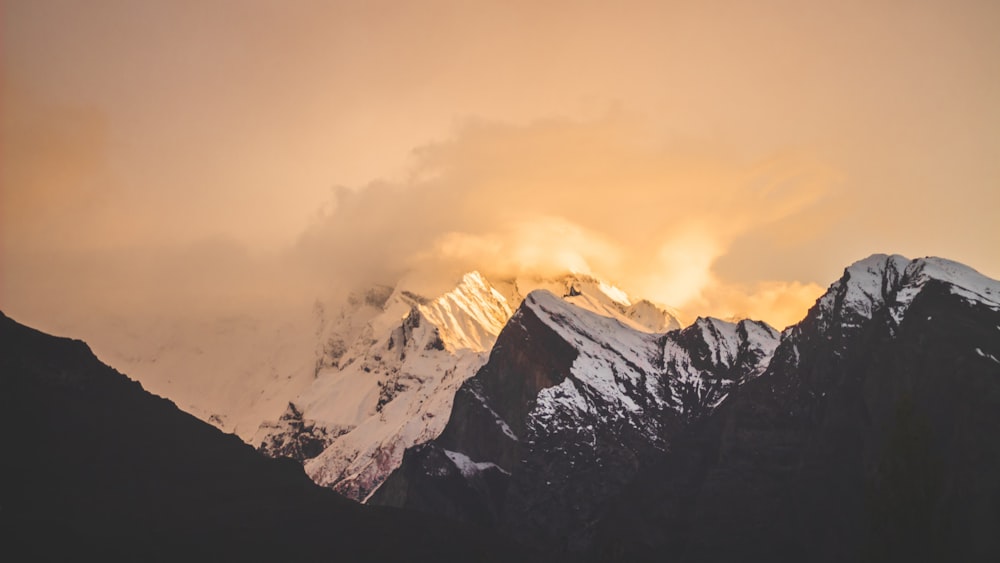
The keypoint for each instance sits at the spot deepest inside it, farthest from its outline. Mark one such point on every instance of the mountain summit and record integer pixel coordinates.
(559, 413)
(569, 406)
(393, 361)
(855, 429)
(871, 436)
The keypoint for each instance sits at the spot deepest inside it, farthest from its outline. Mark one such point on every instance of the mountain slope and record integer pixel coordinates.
(96, 468)
(232, 371)
(384, 390)
(391, 385)
(872, 436)
(569, 406)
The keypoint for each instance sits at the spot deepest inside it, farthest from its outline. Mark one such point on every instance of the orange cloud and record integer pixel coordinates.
(780, 303)
(559, 195)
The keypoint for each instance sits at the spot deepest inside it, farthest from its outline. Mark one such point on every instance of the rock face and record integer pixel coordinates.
(386, 385)
(594, 429)
(707, 360)
(295, 437)
(872, 436)
(569, 407)
(393, 363)
(97, 469)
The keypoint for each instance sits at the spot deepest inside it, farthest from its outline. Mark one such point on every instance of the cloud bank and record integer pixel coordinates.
(159, 157)
(558, 195)
(590, 196)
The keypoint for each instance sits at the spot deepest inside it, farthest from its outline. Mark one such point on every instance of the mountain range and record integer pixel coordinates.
(392, 361)
(874, 435)
(561, 415)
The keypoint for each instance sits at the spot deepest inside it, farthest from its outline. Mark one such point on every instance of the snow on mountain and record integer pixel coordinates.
(471, 316)
(882, 281)
(388, 383)
(864, 288)
(709, 358)
(599, 297)
(384, 391)
(962, 280)
(571, 403)
(466, 466)
(637, 373)
(870, 435)
(612, 363)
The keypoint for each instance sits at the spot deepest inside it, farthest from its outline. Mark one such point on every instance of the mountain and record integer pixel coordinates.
(382, 390)
(234, 371)
(393, 361)
(871, 436)
(568, 408)
(96, 468)
(557, 412)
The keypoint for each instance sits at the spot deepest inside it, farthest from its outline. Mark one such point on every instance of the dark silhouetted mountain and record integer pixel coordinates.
(874, 435)
(95, 468)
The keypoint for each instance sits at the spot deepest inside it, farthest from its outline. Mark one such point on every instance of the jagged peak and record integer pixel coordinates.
(544, 301)
(469, 316)
(654, 316)
(958, 275)
(731, 331)
(605, 299)
(758, 330)
(864, 287)
(892, 281)
(564, 315)
(724, 339)
(579, 326)
(721, 336)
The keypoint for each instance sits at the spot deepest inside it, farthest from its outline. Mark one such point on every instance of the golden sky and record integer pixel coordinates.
(727, 158)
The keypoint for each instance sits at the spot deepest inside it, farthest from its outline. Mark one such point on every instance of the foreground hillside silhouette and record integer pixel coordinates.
(96, 468)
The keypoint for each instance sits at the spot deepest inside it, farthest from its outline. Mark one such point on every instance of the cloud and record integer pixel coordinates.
(124, 147)
(538, 246)
(555, 195)
(780, 303)
(558, 194)
(54, 173)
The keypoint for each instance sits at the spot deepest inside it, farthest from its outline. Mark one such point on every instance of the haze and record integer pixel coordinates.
(725, 158)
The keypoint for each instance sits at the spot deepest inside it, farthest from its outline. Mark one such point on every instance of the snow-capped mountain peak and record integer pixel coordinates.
(602, 298)
(610, 358)
(469, 316)
(961, 279)
(866, 286)
(388, 382)
(571, 402)
(721, 338)
(882, 281)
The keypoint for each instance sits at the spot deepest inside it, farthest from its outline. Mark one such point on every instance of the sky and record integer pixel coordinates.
(725, 158)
